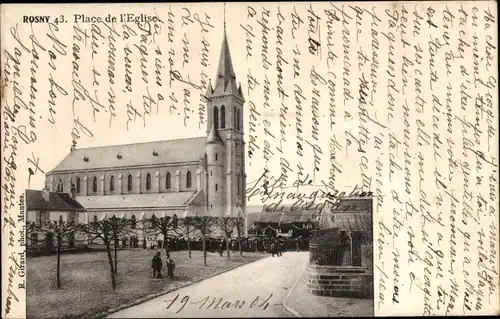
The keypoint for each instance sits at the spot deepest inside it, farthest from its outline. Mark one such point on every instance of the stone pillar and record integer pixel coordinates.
(50, 182)
(138, 186)
(356, 248)
(156, 187)
(101, 188)
(120, 189)
(198, 179)
(67, 188)
(177, 187)
(206, 189)
(84, 189)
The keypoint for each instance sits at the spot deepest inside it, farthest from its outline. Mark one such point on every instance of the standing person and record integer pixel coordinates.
(281, 248)
(221, 247)
(156, 265)
(273, 248)
(170, 266)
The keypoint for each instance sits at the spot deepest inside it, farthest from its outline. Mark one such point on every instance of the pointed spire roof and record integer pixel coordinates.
(240, 91)
(213, 136)
(210, 90)
(225, 82)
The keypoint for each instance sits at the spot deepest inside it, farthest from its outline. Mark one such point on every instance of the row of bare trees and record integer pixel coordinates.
(110, 230)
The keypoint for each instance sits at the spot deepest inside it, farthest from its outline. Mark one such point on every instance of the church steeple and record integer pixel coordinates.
(225, 147)
(225, 82)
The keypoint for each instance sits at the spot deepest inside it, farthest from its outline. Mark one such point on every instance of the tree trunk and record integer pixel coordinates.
(227, 246)
(116, 256)
(204, 250)
(239, 246)
(111, 268)
(239, 240)
(189, 244)
(165, 243)
(58, 266)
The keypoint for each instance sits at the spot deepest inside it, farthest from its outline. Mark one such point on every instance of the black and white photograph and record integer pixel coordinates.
(213, 159)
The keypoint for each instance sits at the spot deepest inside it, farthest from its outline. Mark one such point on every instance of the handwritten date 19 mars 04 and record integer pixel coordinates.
(218, 303)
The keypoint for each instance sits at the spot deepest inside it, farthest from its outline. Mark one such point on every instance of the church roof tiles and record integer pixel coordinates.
(139, 154)
(52, 201)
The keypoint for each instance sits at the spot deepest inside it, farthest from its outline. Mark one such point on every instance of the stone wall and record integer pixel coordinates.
(340, 281)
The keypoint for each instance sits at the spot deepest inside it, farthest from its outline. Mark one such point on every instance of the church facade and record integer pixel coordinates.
(200, 175)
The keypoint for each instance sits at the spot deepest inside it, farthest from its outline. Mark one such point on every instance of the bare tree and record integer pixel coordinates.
(360, 222)
(239, 224)
(226, 225)
(166, 226)
(30, 227)
(187, 223)
(204, 224)
(107, 230)
(61, 232)
(119, 227)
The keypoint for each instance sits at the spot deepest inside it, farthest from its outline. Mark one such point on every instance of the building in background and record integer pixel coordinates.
(44, 206)
(200, 175)
(284, 223)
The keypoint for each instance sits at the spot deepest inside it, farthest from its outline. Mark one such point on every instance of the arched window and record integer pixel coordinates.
(78, 186)
(60, 219)
(129, 182)
(94, 184)
(238, 119)
(95, 219)
(239, 183)
(234, 116)
(223, 117)
(216, 117)
(112, 183)
(148, 181)
(188, 179)
(60, 187)
(216, 157)
(133, 222)
(216, 187)
(168, 181)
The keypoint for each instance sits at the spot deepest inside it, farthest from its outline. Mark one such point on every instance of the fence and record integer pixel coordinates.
(328, 247)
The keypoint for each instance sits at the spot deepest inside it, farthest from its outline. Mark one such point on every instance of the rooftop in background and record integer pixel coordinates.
(285, 216)
(137, 154)
(137, 201)
(43, 200)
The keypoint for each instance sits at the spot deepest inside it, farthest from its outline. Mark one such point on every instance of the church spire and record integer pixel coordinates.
(225, 82)
(214, 137)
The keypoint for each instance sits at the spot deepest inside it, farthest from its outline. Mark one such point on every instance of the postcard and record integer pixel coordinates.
(246, 159)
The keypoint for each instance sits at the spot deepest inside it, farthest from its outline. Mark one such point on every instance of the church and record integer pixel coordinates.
(198, 175)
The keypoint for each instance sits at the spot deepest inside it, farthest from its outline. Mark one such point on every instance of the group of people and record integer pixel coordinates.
(277, 248)
(213, 244)
(157, 265)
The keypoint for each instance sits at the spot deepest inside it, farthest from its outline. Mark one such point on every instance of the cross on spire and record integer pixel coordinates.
(224, 15)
